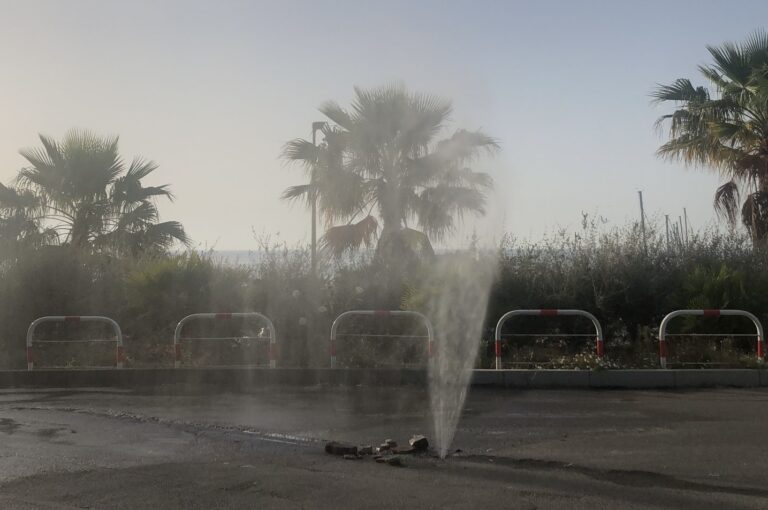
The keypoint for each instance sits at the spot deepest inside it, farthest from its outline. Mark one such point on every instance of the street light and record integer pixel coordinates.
(316, 126)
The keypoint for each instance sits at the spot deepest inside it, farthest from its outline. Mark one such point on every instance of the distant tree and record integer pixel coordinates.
(380, 172)
(79, 192)
(726, 128)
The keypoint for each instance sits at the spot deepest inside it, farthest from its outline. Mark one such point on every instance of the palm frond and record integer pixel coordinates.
(298, 192)
(341, 239)
(726, 202)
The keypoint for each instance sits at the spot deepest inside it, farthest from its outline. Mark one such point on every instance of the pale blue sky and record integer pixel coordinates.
(211, 91)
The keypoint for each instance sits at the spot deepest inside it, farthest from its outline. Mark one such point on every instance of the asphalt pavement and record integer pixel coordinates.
(534, 449)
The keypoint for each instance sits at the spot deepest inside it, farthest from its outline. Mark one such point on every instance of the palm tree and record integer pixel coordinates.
(726, 128)
(19, 225)
(80, 191)
(380, 172)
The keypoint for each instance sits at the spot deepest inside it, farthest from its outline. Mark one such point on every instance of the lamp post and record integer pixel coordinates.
(312, 287)
(316, 126)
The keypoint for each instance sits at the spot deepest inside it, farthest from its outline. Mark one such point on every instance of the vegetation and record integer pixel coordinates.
(604, 271)
(381, 171)
(726, 128)
(80, 235)
(79, 192)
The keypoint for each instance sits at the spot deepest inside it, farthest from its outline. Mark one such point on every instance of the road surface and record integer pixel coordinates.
(542, 449)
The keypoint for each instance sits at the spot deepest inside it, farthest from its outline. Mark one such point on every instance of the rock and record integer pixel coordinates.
(403, 449)
(419, 443)
(390, 442)
(365, 450)
(383, 448)
(335, 448)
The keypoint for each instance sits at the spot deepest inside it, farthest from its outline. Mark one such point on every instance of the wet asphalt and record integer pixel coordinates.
(102, 448)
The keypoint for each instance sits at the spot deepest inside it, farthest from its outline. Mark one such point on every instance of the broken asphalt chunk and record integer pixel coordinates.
(419, 443)
(336, 448)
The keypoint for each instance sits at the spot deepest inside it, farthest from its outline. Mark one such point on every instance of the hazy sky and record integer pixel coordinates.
(211, 91)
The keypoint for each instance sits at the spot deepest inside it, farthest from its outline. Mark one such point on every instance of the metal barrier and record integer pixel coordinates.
(119, 352)
(382, 313)
(599, 348)
(663, 350)
(226, 316)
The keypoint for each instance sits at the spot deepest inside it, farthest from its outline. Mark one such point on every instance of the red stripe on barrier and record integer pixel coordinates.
(120, 353)
(223, 316)
(711, 313)
(72, 318)
(272, 351)
(30, 355)
(497, 349)
(663, 348)
(333, 348)
(382, 313)
(760, 353)
(177, 352)
(430, 348)
(600, 349)
(548, 312)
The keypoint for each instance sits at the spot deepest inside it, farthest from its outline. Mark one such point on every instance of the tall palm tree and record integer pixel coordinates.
(380, 172)
(19, 221)
(726, 128)
(84, 193)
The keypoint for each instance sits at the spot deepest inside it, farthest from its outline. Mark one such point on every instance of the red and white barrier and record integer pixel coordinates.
(225, 316)
(119, 351)
(663, 348)
(381, 313)
(599, 340)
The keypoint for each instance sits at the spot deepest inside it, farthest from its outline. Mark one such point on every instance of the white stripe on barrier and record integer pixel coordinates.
(119, 352)
(382, 313)
(225, 316)
(599, 340)
(663, 348)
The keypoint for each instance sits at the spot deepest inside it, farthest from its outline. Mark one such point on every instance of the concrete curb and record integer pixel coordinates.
(235, 379)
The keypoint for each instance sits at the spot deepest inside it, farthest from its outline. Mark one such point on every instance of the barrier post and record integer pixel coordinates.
(225, 316)
(549, 312)
(119, 350)
(381, 313)
(664, 348)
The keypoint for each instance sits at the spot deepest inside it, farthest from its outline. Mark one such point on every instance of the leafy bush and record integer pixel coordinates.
(609, 273)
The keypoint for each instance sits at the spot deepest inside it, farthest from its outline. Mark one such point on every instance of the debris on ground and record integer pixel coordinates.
(392, 460)
(336, 448)
(419, 442)
(387, 453)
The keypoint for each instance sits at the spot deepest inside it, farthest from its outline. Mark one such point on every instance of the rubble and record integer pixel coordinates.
(419, 443)
(387, 453)
(336, 448)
